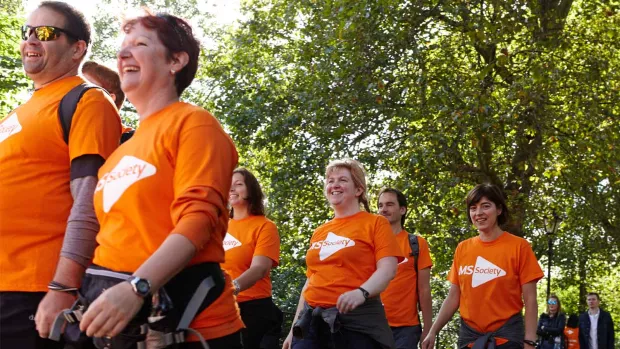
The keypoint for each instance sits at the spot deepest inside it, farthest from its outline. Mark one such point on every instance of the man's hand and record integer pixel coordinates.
(51, 305)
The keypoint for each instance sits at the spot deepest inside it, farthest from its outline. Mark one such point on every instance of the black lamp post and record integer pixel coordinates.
(551, 227)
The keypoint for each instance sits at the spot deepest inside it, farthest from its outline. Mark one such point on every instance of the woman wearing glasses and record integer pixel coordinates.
(551, 325)
(492, 276)
(161, 202)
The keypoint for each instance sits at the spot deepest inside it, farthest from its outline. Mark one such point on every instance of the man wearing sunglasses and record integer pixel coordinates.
(47, 222)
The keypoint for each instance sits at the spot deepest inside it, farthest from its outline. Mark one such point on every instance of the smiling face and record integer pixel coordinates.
(340, 189)
(143, 63)
(389, 207)
(45, 61)
(238, 191)
(484, 215)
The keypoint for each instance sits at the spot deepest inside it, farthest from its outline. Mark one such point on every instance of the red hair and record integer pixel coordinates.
(177, 36)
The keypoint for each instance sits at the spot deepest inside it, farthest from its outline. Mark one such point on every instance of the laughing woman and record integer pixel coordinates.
(161, 200)
(492, 275)
(351, 259)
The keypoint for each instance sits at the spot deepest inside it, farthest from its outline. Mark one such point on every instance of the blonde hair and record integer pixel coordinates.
(357, 174)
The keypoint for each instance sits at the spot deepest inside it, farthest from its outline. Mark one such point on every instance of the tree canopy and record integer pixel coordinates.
(433, 97)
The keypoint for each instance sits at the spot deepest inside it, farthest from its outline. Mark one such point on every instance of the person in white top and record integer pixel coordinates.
(596, 327)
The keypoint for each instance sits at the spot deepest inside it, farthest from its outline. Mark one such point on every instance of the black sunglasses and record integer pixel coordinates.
(44, 32)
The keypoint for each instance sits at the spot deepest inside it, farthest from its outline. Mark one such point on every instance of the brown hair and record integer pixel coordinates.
(76, 24)
(108, 79)
(357, 174)
(400, 197)
(491, 192)
(554, 296)
(177, 36)
(255, 193)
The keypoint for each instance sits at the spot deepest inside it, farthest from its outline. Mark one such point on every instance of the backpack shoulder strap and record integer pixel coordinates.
(68, 105)
(415, 249)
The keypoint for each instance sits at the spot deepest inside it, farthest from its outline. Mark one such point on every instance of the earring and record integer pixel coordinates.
(172, 71)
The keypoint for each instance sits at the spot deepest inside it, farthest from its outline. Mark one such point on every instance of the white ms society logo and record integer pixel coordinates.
(483, 272)
(127, 172)
(332, 244)
(230, 242)
(9, 127)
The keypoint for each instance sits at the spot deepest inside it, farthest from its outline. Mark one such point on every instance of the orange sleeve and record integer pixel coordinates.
(424, 258)
(205, 160)
(268, 243)
(385, 242)
(529, 269)
(453, 276)
(96, 126)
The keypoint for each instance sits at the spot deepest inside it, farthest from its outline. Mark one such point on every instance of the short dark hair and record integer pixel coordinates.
(255, 197)
(593, 294)
(400, 197)
(75, 21)
(491, 192)
(108, 78)
(177, 36)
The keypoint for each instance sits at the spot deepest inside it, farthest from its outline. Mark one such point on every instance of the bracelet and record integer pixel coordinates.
(529, 342)
(57, 286)
(237, 287)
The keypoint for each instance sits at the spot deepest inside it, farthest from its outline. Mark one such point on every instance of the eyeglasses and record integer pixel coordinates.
(552, 302)
(44, 32)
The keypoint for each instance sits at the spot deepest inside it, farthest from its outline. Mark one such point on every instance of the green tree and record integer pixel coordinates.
(434, 97)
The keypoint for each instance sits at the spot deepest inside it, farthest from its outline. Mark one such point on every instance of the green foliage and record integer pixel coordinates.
(12, 79)
(434, 97)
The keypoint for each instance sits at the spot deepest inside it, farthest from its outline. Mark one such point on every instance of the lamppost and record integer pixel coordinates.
(551, 227)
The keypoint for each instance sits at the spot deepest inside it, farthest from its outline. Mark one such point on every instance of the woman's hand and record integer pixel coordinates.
(108, 315)
(288, 342)
(429, 341)
(350, 300)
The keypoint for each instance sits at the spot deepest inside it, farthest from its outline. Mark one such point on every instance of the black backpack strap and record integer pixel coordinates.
(415, 250)
(126, 135)
(68, 105)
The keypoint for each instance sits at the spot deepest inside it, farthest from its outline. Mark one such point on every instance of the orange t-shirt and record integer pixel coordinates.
(400, 299)
(246, 238)
(171, 177)
(343, 254)
(572, 337)
(489, 276)
(35, 162)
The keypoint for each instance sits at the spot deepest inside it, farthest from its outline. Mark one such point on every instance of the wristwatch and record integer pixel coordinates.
(364, 293)
(141, 287)
(529, 342)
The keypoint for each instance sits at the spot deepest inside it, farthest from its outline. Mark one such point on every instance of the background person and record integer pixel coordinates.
(492, 276)
(252, 247)
(161, 199)
(107, 78)
(47, 221)
(351, 259)
(411, 286)
(571, 332)
(551, 325)
(596, 327)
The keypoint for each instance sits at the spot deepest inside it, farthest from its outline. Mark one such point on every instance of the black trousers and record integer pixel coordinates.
(17, 326)
(263, 324)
